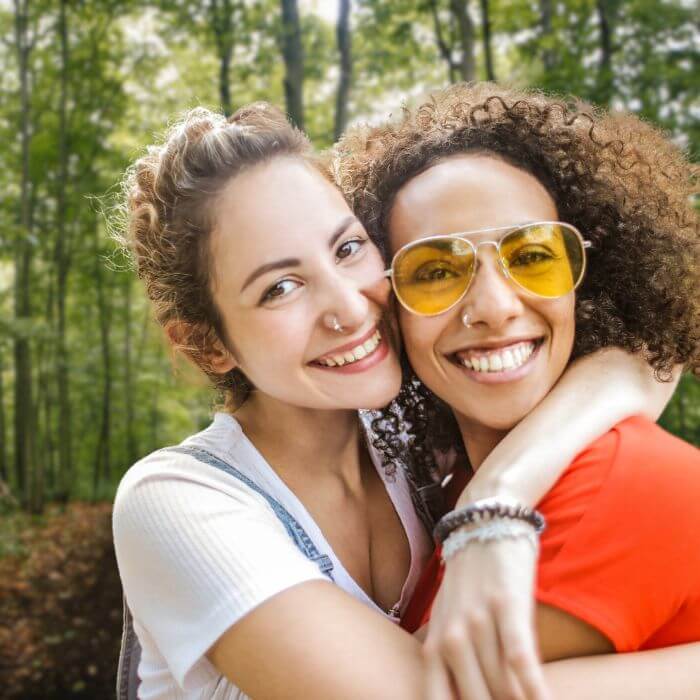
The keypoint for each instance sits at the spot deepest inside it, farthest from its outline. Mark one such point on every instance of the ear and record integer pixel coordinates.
(220, 359)
(200, 346)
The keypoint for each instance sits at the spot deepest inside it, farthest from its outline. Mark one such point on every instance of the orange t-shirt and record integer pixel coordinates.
(622, 546)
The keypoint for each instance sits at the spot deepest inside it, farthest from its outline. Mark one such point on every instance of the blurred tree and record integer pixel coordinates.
(220, 22)
(4, 458)
(293, 55)
(91, 387)
(25, 38)
(454, 33)
(486, 39)
(61, 259)
(344, 39)
(606, 11)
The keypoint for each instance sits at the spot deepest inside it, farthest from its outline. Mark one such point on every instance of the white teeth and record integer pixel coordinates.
(508, 361)
(495, 363)
(500, 360)
(357, 353)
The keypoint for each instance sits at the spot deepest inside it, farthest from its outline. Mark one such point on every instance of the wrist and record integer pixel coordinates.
(486, 515)
(498, 486)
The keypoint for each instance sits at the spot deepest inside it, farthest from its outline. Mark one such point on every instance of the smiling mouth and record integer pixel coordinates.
(352, 355)
(493, 360)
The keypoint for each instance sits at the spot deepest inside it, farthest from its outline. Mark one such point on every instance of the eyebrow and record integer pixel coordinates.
(295, 262)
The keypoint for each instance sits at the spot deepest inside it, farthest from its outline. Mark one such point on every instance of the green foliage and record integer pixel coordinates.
(131, 68)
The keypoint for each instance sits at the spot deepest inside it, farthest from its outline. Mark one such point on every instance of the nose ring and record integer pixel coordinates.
(332, 321)
(465, 320)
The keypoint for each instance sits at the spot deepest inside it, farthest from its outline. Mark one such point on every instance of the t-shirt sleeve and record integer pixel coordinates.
(620, 551)
(194, 559)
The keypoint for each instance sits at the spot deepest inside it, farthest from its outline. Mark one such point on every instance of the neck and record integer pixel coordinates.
(293, 438)
(479, 440)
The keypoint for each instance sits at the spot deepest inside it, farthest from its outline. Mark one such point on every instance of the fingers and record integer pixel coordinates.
(481, 637)
(518, 649)
(502, 684)
(437, 680)
(461, 662)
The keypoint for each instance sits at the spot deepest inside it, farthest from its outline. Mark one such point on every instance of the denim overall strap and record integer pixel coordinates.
(130, 655)
(295, 530)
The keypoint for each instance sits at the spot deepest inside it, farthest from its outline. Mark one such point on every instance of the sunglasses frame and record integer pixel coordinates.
(462, 235)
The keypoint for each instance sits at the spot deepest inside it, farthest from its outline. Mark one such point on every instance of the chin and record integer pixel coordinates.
(500, 416)
(381, 399)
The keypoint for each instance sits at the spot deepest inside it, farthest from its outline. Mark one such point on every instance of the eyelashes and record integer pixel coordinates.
(284, 287)
(277, 290)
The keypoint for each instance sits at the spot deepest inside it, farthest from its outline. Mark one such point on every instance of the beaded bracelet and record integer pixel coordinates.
(491, 531)
(485, 510)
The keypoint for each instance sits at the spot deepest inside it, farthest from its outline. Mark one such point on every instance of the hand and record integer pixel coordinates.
(480, 643)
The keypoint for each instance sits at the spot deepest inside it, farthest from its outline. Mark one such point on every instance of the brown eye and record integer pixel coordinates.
(279, 290)
(530, 256)
(434, 272)
(349, 248)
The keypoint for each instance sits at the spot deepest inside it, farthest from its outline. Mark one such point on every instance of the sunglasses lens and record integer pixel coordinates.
(430, 277)
(545, 259)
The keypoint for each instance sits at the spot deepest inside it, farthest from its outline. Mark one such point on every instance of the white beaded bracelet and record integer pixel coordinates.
(490, 531)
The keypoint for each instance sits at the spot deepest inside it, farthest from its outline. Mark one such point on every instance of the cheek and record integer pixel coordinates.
(271, 339)
(563, 322)
(420, 335)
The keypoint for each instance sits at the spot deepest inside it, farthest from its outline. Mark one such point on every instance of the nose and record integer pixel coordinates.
(345, 304)
(492, 300)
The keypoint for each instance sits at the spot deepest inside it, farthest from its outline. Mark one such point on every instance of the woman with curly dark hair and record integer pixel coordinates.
(490, 202)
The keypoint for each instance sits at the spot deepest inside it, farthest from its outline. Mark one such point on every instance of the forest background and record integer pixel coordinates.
(86, 381)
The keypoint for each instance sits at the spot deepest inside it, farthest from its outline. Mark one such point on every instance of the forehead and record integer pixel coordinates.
(467, 192)
(274, 210)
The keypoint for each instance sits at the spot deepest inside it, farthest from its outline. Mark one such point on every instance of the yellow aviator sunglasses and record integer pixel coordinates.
(545, 258)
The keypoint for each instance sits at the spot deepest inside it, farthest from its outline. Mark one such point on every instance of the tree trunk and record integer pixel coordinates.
(23, 418)
(293, 55)
(103, 467)
(605, 74)
(132, 449)
(444, 48)
(486, 39)
(467, 63)
(221, 18)
(345, 49)
(4, 461)
(62, 261)
(45, 405)
(548, 57)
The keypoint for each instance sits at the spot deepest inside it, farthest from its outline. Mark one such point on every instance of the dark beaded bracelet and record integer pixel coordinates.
(485, 510)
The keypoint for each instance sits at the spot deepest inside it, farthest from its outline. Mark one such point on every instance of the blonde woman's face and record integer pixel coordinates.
(494, 372)
(300, 290)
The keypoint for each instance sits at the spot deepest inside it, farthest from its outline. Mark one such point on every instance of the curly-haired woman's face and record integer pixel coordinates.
(496, 370)
(299, 287)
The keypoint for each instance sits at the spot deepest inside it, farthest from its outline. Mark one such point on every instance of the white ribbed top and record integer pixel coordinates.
(197, 549)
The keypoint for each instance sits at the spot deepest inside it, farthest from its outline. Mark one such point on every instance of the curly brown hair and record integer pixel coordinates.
(617, 179)
(169, 196)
